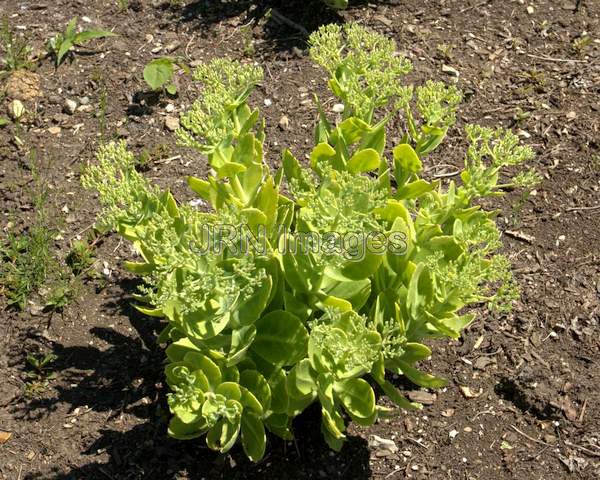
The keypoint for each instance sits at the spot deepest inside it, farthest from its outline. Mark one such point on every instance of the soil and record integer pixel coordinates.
(523, 397)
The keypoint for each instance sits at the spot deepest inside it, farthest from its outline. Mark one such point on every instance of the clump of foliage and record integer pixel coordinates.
(29, 263)
(24, 263)
(16, 51)
(62, 42)
(257, 334)
(27, 255)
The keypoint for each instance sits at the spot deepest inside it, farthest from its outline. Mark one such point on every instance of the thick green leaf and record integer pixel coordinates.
(253, 436)
(87, 35)
(353, 129)
(358, 398)
(280, 425)
(241, 339)
(415, 352)
(201, 187)
(406, 163)
(414, 189)
(322, 153)
(223, 435)
(229, 390)
(177, 351)
(363, 161)
(421, 378)
(395, 396)
(258, 386)
(198, 361)
(184, 431)
(300, 268)
(281, 338)
(300, 381)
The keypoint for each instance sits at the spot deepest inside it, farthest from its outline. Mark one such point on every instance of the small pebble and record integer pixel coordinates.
(284, 122)
(172, 123)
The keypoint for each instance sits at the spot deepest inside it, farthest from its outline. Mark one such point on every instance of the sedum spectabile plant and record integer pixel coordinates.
(354, 259)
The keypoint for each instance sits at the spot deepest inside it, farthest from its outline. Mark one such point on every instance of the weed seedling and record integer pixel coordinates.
(27, 255)
(81, 257)
(159, 73)
(16, 50)
(61, 43)
(39, 374)
(581, 43)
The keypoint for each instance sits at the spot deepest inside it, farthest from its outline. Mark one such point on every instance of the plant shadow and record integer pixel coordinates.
(285, 24)
(126, 379)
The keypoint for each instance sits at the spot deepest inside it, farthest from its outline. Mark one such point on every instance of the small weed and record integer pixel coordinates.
(123, 5)
(62, 292)
(147, 157)
(446, 51)
(25, 260)
(536, 77)
(101, 113)
(39, 375)
(143, 161)
(160, 72)
(81, 257)
(248, 39)
(29, 263)
(580, 44)
(520, 116)
(517, 206)
(26, 256)
(61, 43)
(16, 50)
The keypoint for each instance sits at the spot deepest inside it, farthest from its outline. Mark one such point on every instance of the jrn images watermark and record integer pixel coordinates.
(352, 246)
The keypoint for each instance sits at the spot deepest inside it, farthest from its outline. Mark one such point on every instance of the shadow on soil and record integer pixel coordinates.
(125, 380)
(285, 23)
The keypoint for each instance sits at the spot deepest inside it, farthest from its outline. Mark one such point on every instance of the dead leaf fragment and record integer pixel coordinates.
(468, 393)
(421, 396)
(569, 409)
(450, 70)
(383, 446)
(4, 436)
(284, 122)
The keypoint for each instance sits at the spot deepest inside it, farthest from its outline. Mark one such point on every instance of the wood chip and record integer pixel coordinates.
(450, 70)
(423, 397)
(4, 436)
(478, 342)
(520, 236)
(172, 123)
(468, 393)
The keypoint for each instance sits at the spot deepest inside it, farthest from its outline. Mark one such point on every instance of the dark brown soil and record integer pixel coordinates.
(533, 375)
